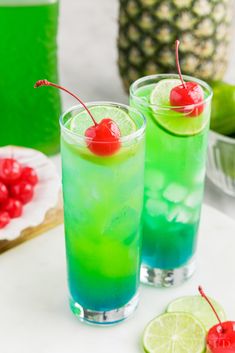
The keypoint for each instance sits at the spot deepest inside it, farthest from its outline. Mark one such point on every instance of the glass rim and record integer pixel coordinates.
(133, 89)
(126, 138)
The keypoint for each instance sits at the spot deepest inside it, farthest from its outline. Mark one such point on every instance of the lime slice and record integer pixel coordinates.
(171, 120)
(82, 120)
(197, 306)
(161, 92)
(174, 333)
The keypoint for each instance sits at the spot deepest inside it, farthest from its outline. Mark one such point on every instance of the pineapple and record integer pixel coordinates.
(148, 30)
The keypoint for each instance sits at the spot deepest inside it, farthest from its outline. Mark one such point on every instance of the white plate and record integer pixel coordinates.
(45, 194)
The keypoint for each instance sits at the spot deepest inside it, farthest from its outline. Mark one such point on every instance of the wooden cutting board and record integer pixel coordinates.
(53, 218)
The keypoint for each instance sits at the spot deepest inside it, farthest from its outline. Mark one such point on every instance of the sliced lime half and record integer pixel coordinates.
(160, 95)
(80, 122)
(174, 333)
(198, 307)
(175, 122)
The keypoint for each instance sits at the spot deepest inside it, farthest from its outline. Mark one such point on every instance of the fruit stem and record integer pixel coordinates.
(201, 291)
(177, 43)
(41, 83)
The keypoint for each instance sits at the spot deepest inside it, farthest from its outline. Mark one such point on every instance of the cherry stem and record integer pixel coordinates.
(201, 291)
(41, 83)
(177, 43)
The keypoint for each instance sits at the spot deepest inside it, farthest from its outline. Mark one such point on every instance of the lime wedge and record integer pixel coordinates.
(171, 120)
(174, 333)
(82, 120)
(198, 307)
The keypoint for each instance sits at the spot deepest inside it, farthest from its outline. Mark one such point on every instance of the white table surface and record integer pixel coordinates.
(34, 313)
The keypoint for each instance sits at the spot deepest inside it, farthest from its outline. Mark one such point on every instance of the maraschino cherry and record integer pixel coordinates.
(10, 170)
(22, 191)
(3, 192)
(103, 137)
(221, 337)
(17, 184)
(4, 219)
(13, 207)
(28, 174)
(187, 94)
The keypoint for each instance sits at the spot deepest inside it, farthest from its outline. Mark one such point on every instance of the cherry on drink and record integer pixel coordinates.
(221, 337)
(186, 94)
(106, 131)
(100, 133)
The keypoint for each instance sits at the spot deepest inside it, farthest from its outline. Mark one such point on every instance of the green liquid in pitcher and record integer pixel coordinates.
(28, 53)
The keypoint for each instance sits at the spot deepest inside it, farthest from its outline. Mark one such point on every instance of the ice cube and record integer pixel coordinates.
(123, 224)
(156, 207)
(193, 199)
(175, 193)
(174, 212)
(154, 180)
(184, 216)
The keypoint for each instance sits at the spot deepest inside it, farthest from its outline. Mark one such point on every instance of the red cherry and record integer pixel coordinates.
(10, 170)
(4, 219)
(13, 207)
(22, 191)
(187, 94)
(29, 174)
(103, 138)
(221, 339)
(191, 94)
(3, 192)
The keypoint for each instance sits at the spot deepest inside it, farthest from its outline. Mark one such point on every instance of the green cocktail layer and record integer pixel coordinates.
(174, 179)
(102, 200)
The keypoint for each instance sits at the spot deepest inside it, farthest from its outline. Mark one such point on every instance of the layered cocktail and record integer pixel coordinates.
(103, 193)
(174, 173)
